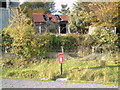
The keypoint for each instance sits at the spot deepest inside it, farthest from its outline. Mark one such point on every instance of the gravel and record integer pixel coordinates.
(15, 83)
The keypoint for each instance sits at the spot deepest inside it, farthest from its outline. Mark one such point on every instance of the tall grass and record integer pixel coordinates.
(72, 70)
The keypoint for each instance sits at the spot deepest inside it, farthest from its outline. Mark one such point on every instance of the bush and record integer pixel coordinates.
(106, 39)
(103, 40)
(69, 42)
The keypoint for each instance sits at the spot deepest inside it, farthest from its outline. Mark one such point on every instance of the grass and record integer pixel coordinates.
(74, 71)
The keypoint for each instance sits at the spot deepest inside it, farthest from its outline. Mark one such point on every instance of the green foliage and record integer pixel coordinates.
(37, 7)
(103, 40)
(64, 10)
(26, 42)
(104, 13)
(6, 40)
(85, 14)
(106, 39)
(69, 42)
(72, 70)
(22, 39)
(79, 17)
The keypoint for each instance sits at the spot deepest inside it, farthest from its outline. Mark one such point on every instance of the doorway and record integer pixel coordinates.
(63, 28)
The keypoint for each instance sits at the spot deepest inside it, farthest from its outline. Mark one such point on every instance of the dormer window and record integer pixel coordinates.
(50, 18)
(44, 16)
(58, 18)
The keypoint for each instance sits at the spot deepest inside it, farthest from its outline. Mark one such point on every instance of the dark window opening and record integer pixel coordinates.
(50, 18)
(118, 30)
(45, 18)
(58, 18)
(63, 28)
(3, 4)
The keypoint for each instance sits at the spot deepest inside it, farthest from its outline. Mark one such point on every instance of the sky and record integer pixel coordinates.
(59, 2)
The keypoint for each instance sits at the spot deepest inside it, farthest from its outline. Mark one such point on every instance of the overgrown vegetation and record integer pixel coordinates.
(85, 14)
(104, 17)
(38, 7)
(29, 48)
(69, 42)
(72, 70)
(22, 40)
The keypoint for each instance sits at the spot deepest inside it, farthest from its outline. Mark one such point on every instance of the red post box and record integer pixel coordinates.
(61, 57)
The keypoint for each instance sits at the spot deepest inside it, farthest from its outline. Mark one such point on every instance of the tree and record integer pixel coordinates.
(78, 17)
(26, 42)
(64, 10)
(98, 14)
(85, 14)
(104, 13)
(38, 7)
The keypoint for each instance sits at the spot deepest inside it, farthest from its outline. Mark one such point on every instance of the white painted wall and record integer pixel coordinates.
(92, 28)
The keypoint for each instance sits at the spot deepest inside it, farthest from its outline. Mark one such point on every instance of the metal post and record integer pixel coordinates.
(61, 69)
(61, 63)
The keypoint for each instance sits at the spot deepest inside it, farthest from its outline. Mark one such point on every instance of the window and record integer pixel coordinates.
(50, 18)
(3, 4)
(44, 16)
(58, 18)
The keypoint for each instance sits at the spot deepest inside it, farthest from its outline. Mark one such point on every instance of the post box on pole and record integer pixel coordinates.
(61, 59)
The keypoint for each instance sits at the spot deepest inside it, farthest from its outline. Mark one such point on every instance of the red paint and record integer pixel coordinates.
(61, 57)
(39, 17)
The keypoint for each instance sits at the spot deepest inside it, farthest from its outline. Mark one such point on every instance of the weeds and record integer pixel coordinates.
(72, 70)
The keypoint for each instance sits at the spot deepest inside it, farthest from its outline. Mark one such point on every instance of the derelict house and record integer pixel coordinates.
(50, 23)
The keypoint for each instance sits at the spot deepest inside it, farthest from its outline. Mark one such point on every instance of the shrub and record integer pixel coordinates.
(106, 39)
(69, 42)
(103, 40)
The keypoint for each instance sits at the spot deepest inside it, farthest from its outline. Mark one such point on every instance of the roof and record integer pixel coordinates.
(64, 17)
(38, 18)
(53, 18)
(49, 17)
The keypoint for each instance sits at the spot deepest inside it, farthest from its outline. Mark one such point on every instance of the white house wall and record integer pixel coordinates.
(4, 17)
(92, 28)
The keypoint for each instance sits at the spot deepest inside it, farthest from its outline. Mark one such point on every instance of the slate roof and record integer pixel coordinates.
(49, 17)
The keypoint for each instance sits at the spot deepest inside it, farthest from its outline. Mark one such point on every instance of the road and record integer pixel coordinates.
(15, 83)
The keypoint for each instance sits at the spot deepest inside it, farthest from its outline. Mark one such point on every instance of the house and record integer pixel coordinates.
(6, 12)
(57, 24)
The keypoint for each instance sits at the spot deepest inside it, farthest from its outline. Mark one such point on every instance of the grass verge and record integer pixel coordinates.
(74, 71)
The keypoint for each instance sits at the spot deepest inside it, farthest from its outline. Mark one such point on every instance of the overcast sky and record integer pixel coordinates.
(59, 2)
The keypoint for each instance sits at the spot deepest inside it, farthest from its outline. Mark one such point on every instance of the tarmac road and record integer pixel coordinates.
(15, 83)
